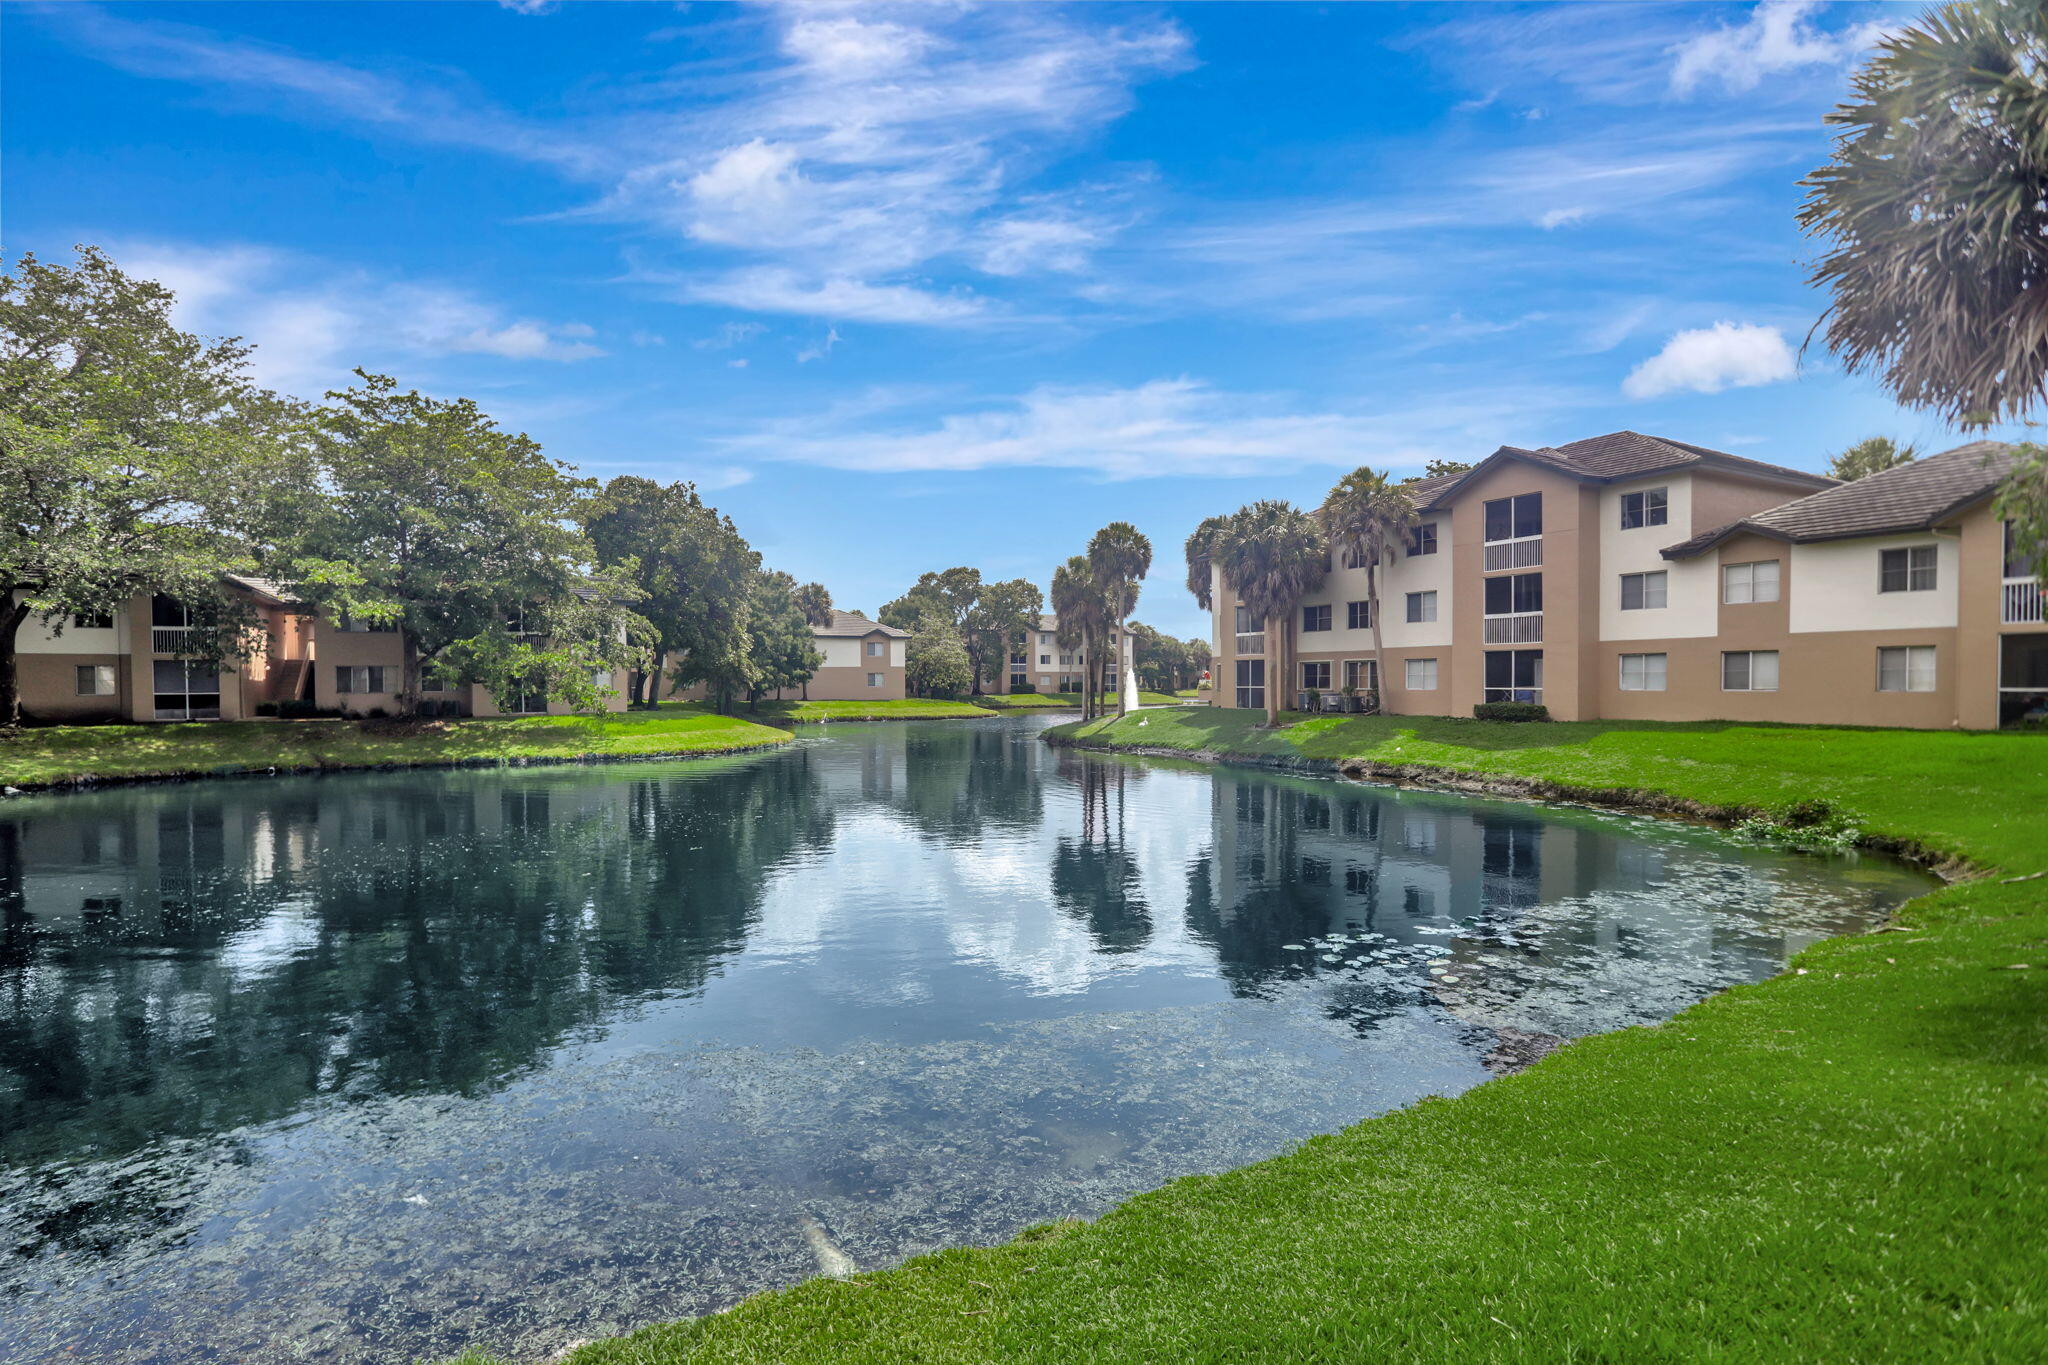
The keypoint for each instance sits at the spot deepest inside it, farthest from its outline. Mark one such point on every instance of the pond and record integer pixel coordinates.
(377, 1066)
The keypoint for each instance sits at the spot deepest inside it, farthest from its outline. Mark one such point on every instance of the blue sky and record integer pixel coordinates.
(910, 286)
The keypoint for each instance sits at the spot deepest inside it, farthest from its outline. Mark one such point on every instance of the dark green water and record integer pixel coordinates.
(376, 1067)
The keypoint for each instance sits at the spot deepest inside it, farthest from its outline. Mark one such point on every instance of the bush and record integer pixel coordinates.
(266, 708)
(1511, 710)
(301, 708)
(1023, 690)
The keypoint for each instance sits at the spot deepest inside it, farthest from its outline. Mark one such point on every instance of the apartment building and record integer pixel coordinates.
(864, 661)
(126, 665)
(1635, 577)
(1039, 662)
(361, 671)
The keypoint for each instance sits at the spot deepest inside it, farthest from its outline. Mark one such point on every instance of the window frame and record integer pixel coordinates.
(1325, 675)
(100, 673)
(1909, 669)
(1315, 619)
(1749, 669)
(1408, 674)
(1914, 562)
(1418, 600)
(1358, 615)
(1662, 671)
(1777, 567)
(1422, 538)
(1643, 585)
(1651, 507)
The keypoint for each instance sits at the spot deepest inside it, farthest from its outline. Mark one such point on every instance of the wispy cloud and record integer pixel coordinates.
(1727, 355)
(1165, 428)
(312, 321)
(1775, 38)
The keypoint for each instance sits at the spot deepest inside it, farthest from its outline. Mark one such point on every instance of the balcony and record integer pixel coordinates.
(169, 639)
(1515, 628)
(1523, 553)
(2022, 602)
(1252, 646)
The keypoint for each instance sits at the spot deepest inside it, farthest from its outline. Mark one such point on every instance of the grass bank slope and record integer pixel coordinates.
(44, 757)
(1849, 1161)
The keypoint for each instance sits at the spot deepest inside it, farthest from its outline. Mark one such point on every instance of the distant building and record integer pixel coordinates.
(1041, 664)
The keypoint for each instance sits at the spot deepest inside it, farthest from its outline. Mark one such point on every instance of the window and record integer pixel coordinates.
(1422, 539)
(435, 677)
(2017, 564)
(343, 621)
(1316, 618)
(1741, 583)
(1251, 684)
(1520, 592)
(1514, 518)
(1651, 507)
(1749, 670)
(1045, 639)
(1354, 557)
(600, 677)
(1358, 616)
(1044, 659)
(1361, 675)
(1907, 570)
(1422, 606)
(1316, 675)
(186, 690)
(874, 680)
(93, 620)
(1905, 668)
(875, 648)
(1422, 675)
(1643, 672)
(95, 680)
(357, 678)
(1514, 675)
(1643, 591)
(1044, 680)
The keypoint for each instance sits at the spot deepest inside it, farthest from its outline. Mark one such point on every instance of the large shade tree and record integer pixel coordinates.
(1119, 557)
(134, 457)
(814, 600)
(1002, 612)
(781, 648)
(1366, 518)
(436, 522)
(1271, 554)
(1083, 620)
(1934, 209)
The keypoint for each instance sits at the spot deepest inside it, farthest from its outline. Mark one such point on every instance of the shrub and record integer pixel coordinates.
(1023, 690)
(266, 708)
(1511, 710)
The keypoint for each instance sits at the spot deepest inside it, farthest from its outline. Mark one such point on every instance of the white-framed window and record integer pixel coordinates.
(1749, 670)
(1745, 583)
(1422, 606)
(874, 680)
(600, 677)
(358, 678)
(1316, 674)
(95, 680)
(1047, 658)
(1650, 507)
(1316, 617)
(92, 620)
(1045, 639)
(1644, 591)
(1044, 680)
(1358, 616)
(1361, 675)
(1643, 672)
(1422, 675)
(1422, 539)
(1905, 668)
(1910, 569)
(1251, 684)
(875, 648)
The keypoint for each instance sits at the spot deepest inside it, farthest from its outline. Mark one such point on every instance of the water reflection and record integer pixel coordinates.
(389, 1065)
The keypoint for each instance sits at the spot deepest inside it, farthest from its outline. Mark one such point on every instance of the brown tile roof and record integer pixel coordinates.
(264, 587)
(1912, 497)
(851, 623)
(1624, 455)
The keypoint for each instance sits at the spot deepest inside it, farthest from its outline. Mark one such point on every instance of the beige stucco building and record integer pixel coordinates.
(1634, 577)
(1040, 663)
(864, 661)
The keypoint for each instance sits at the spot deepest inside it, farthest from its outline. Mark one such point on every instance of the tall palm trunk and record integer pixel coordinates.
(1379, 662)
(1122, 707)
(1273, 684)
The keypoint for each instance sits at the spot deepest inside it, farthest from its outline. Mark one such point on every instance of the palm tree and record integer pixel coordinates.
(1199, 565)
(1369, 517)
(1118, 556)
(1272, 554)
(1077, 605)
(814, 600)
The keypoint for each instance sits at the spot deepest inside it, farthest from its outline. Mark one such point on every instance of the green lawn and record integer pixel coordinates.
(41, 756)
(1846, 1162)
(1069, 701)
(806, 712)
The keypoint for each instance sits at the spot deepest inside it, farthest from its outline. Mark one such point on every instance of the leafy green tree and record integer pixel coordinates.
(815, 602)
(935, 659)
(1001, 613)
(781, 649)
(1200, 656)
(1370, 518)
(1272, 554)
(1871, 456)
(1934, 208)
(1436, 469)
(134, 457)
(1119, 556)
(692, 569)
(460, 534)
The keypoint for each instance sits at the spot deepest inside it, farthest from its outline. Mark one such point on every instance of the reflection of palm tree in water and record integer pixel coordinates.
(1095, 878)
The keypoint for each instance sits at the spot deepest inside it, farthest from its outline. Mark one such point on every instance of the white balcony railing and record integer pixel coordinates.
(1525, 553)
(2022, 602)
(1516, 628)
(169, 639)
(1251, 646)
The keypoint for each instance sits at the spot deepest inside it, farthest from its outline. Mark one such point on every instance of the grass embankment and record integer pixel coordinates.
(60, 754)
(1065, 701)
(1847, 1162)
(812, 712)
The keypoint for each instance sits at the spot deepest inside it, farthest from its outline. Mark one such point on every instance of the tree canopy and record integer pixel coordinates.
(1873, 455)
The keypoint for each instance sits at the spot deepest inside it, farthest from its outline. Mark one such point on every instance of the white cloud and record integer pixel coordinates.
(529, 6)
(770, 289)
(1777, 37)
(1728, 355)
(312, 321)
(1016, 246)
(730, 335)
(821, 350)
(1167, 427)
(1551, 219)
